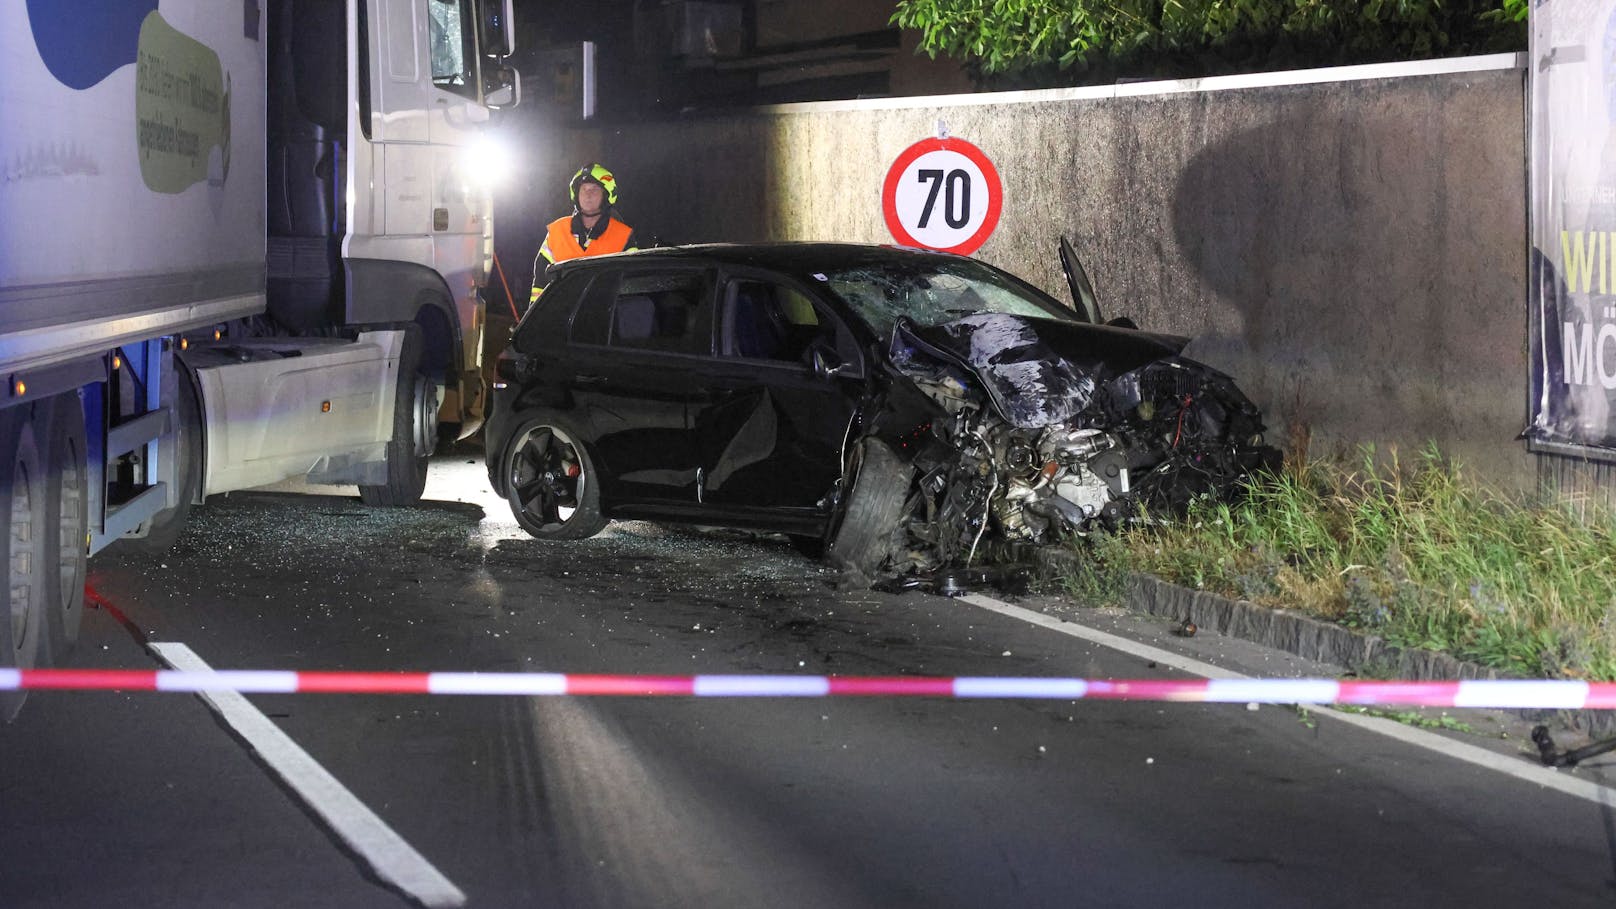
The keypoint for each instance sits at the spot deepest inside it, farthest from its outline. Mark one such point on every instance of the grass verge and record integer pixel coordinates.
(1417, 553)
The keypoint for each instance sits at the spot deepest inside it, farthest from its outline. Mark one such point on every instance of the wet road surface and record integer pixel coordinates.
(147, 800)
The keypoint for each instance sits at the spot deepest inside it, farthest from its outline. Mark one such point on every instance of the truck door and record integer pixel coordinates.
(461, 203)
(426, 99)
(401, 100)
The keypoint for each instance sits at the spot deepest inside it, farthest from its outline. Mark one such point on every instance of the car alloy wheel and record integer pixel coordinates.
(550, 483)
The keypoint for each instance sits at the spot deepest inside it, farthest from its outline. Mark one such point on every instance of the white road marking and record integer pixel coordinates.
(392, 859)
(1518, 768)
(1143, 651)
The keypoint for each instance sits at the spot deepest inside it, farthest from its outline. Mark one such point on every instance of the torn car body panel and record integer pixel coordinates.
(1038, 372)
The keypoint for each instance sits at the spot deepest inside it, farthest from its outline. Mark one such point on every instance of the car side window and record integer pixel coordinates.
(662, 312)
(766, 320)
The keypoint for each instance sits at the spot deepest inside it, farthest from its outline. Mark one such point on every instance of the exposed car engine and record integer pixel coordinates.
(1040, 445)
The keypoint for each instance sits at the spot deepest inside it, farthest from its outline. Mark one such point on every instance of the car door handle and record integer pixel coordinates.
(589, 380)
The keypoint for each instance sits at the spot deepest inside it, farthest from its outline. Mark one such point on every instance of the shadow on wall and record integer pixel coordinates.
(1301, 227)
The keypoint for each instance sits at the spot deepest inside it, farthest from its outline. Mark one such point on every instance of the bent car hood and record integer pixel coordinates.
(1039, 372)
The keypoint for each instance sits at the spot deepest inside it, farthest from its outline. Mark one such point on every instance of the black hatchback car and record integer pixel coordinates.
(909, 410)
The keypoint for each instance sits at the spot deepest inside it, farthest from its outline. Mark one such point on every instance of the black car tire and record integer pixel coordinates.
(863, 537)
(540, 482)
(413, 412)
(67, 502)
(25, 595)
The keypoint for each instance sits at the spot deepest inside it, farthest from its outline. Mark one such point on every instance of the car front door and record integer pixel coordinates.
(771, 427)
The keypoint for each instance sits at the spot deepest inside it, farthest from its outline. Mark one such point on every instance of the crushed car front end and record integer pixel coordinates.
(1037, 447)
(1040, 425)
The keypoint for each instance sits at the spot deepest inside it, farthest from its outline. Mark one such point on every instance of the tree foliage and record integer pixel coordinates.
(1068, 41)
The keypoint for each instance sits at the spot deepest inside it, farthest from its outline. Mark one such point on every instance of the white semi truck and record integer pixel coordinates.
(240, 241)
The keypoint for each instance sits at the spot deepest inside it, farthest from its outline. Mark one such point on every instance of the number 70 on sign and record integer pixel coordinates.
(942, 194)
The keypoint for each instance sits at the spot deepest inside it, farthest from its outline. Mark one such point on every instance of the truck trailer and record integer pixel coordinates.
(242, 241)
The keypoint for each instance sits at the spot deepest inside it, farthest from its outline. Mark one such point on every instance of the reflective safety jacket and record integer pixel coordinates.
(561, 244)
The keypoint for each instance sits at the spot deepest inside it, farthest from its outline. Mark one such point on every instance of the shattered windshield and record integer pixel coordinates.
(934, 292)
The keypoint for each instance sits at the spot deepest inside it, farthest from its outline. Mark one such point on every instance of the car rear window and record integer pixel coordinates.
(545, 322)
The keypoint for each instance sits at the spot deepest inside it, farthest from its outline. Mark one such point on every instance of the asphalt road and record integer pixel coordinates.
(140, 799)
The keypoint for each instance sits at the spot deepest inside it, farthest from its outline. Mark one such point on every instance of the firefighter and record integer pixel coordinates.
(589, 231)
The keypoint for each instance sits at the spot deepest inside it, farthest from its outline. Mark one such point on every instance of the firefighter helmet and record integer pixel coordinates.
(597, 174)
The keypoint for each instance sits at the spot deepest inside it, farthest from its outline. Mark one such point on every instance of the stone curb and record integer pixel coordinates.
(1304, 636)
(1314, 639)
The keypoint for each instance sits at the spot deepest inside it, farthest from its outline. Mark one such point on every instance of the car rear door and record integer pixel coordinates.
(770, 429)
(639, 338)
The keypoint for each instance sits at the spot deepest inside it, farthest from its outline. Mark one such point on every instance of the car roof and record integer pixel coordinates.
(793, 257)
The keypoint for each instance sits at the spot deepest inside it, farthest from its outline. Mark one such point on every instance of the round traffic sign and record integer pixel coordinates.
(942, 194)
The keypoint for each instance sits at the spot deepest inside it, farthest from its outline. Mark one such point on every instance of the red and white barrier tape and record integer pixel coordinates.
(1551, 695)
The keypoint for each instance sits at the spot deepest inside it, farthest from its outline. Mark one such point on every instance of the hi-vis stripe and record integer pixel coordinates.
(1560, 695)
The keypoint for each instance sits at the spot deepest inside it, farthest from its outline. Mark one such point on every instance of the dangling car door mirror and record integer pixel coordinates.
(1077, 280)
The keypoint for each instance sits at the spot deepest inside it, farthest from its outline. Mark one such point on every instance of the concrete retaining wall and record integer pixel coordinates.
(1352, 251)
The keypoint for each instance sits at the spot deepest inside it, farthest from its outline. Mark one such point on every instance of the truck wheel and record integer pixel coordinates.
(550, 481)
(163, 530)
(67, 502)
(415, 431)
(23, 521)
(862, 535)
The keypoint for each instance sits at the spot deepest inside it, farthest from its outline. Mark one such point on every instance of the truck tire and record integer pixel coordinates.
(163, 530)
(414, 432)
(550, 480)
(67, 502)
(24, 595)
(861, 537)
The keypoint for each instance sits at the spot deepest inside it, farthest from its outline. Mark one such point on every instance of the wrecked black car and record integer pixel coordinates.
(905, 410)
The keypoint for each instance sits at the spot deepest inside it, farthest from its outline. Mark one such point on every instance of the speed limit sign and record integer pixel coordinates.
(942, 194)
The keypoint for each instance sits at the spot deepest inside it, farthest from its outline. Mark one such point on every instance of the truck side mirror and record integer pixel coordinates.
(503, 88)
(496, 29)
